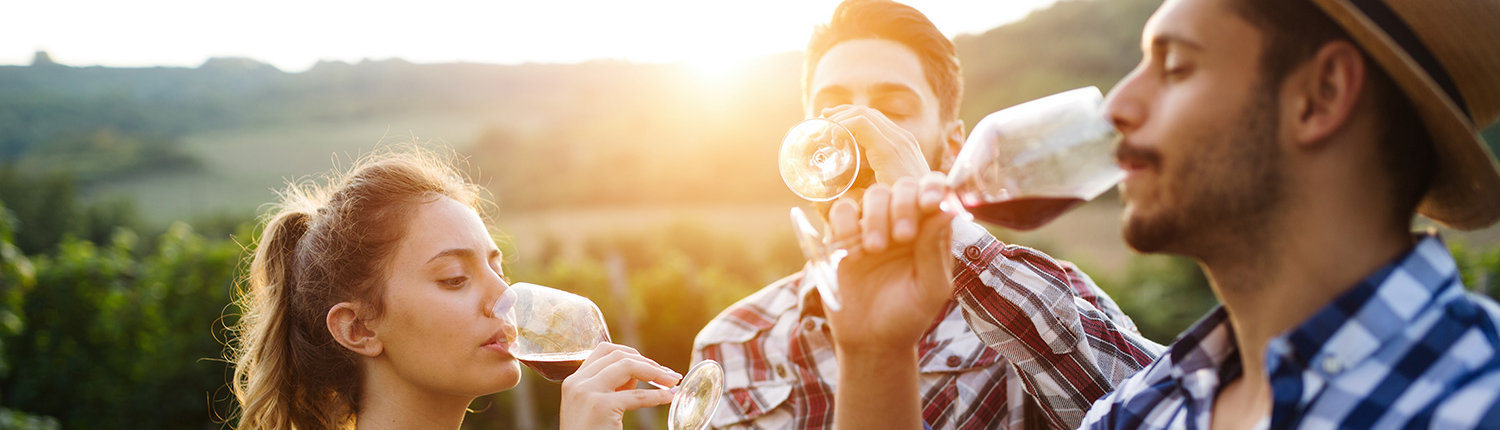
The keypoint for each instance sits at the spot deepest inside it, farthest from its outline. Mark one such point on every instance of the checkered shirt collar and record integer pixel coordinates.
(1376, 312)
(1350, 329)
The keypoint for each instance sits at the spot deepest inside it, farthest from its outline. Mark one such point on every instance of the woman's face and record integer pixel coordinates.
(437, 329)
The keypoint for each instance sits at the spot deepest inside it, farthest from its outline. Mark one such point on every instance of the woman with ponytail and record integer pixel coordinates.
(369, 308)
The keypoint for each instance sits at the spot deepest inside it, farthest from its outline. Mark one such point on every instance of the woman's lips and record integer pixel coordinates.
(500, 341)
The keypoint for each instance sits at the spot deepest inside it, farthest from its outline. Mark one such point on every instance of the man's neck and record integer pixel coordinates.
(1278, 280)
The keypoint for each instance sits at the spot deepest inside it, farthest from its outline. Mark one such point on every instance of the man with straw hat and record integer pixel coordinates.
(1286, 145)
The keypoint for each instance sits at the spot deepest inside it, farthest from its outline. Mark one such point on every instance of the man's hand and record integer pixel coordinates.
(894, 286)
(891, 151)
(891, 290)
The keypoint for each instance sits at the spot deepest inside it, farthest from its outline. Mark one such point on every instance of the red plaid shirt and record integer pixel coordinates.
(1060, 343)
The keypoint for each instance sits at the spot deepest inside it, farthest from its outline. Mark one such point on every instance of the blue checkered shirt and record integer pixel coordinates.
(1406, 348)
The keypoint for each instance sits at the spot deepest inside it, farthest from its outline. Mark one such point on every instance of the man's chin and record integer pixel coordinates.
(1148, 234)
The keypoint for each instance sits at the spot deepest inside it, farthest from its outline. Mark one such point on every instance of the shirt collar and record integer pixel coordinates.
(1374, 313)
(1346, 331)
(1206, 349)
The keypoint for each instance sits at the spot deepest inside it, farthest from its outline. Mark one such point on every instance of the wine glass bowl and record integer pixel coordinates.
(819, 159)
(1025, 165)
(555, 331)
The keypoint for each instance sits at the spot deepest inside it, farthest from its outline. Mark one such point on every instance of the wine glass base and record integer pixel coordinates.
(697, 397)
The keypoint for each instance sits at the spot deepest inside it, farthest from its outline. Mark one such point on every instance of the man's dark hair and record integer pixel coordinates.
(885, 19)
(1294, 31)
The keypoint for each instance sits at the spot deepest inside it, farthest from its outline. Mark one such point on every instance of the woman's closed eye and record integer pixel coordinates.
(455, 282)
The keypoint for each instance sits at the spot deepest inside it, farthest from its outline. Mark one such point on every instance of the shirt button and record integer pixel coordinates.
(809, 325)
(1332, 365)
(781, 370)
(971, 252)
(954, 361)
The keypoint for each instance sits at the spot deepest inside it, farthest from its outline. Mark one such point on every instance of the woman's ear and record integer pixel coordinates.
(349, 328)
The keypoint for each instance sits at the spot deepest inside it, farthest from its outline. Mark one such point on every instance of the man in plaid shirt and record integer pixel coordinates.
(883, 70)
(1286, 145)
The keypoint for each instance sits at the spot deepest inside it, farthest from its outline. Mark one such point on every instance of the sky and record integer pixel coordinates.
(293, 35)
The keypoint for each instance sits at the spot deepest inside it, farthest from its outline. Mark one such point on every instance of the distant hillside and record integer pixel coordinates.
(598, 133)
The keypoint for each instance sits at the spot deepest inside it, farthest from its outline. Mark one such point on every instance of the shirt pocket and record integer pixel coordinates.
(743, 405)
(959, 352)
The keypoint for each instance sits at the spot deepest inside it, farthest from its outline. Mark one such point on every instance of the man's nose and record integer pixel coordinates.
(1125, 106)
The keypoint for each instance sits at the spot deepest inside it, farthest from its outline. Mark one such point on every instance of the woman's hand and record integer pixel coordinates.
(599, 393)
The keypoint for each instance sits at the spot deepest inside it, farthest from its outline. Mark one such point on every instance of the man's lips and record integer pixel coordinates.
(1133, 158)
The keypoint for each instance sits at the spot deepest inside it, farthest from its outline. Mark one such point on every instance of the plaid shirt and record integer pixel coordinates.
(1406, 348)
(1072, 344)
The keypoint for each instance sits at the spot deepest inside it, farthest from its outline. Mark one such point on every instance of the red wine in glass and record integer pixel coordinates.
(557, 330)
(554, 367)
(1025, 213)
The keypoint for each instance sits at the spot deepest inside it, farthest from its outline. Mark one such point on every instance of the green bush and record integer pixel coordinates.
(111, 339)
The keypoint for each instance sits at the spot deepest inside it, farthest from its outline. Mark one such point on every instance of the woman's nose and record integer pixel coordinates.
(502, 300)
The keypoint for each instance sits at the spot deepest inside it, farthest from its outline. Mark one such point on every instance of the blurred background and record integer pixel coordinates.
(629, 147)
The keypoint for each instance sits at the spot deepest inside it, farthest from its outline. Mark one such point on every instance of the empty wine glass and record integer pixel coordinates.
(556, 330)
(819, 160)
(1020, 168)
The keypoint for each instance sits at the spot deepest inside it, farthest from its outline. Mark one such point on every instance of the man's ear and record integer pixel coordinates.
(352, 331)
(953, 140)
(1325, 92)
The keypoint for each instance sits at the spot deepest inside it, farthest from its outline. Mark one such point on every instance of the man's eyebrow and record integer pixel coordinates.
(1165, 39)
(890, 87)
(831, 91)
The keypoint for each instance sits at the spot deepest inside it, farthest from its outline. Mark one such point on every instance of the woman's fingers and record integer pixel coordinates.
(623, 373)
(604, 387)
(606, 355)
(635, 399)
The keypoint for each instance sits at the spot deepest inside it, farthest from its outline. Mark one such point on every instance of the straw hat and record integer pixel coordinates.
(1445, 55)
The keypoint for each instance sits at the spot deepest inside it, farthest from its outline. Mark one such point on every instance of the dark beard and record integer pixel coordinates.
(1224, 188)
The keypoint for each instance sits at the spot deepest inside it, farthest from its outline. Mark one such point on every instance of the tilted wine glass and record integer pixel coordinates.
(556, 330)
(1020, 168)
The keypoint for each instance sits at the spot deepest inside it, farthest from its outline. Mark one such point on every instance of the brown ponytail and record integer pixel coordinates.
(323, 246)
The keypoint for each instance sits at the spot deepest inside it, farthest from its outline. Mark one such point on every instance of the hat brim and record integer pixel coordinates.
(1465, 192)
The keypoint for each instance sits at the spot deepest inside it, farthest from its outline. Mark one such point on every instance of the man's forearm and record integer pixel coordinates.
(878, 389)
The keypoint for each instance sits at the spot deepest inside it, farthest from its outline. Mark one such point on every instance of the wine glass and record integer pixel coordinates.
(1020, 168)
(556, 330)
(819, 160)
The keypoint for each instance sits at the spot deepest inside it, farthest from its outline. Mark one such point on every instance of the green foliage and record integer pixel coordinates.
(47, 209)
(110, 338)
(17, 420)
(1163, 295)
(17, 277)
(1480, 268)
